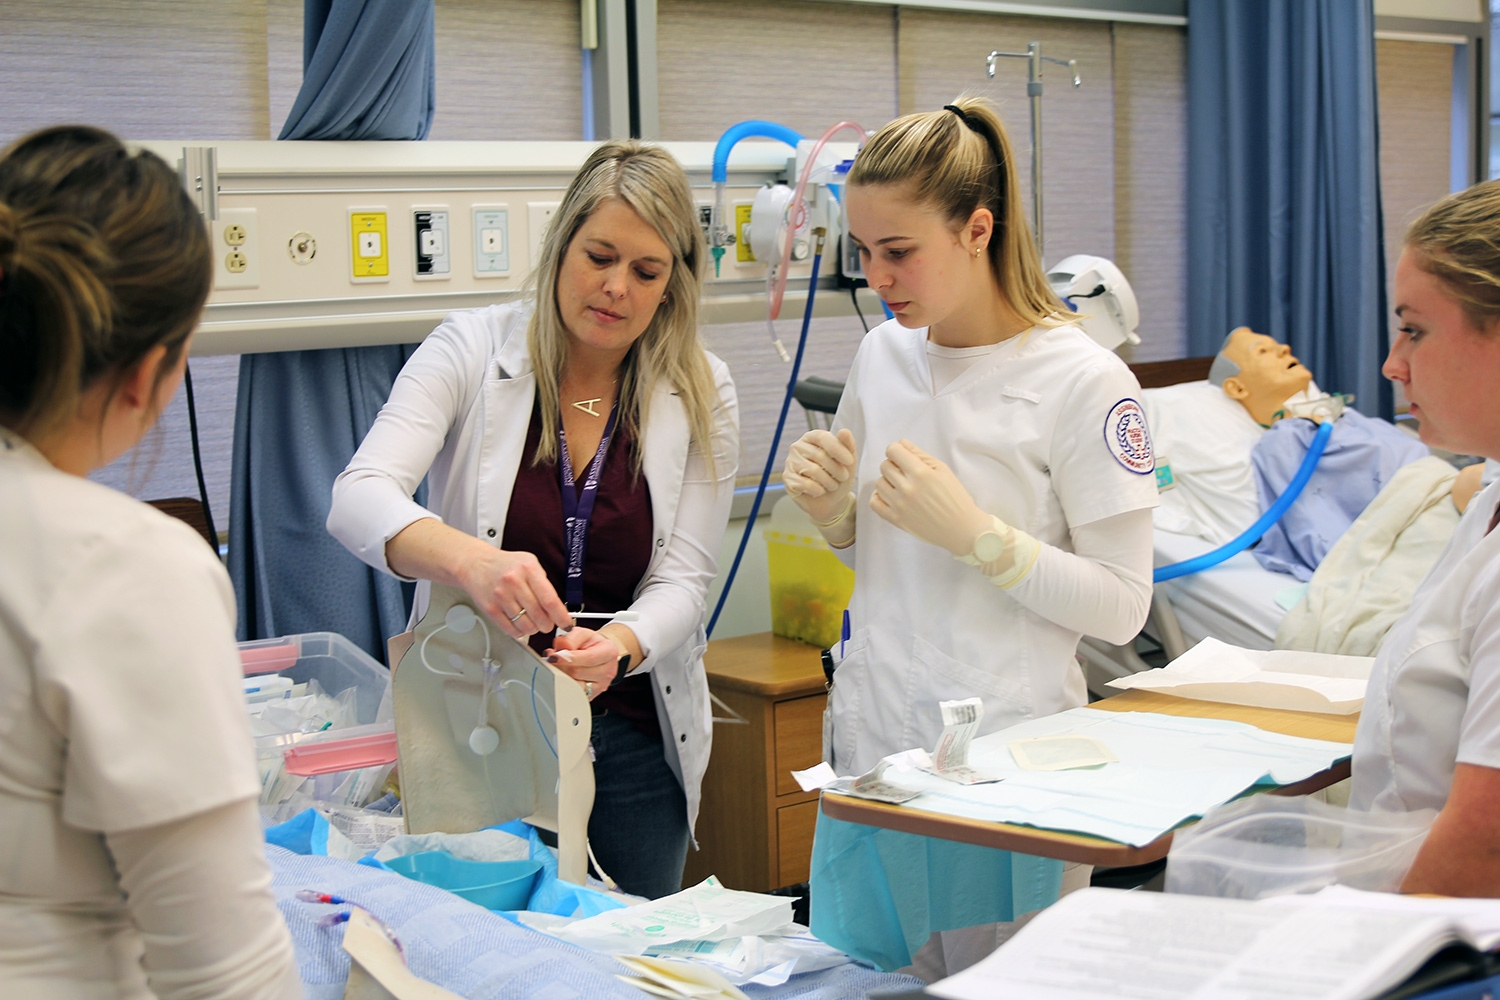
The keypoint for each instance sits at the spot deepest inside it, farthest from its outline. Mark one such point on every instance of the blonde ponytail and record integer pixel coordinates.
(959, 159)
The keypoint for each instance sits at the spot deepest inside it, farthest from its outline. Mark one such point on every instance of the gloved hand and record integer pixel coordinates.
(922, 497)
(819, 472)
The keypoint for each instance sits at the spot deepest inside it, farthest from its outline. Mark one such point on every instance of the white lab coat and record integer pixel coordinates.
(458, 414)
(1434, 694)
(1027, 431)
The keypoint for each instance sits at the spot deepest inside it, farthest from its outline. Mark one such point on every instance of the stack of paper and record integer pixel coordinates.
(671, 980)
(1339, 944)
(1280, 678)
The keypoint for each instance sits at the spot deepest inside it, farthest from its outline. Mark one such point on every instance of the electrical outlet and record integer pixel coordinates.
(433, 259)
(237, 259)
(491, 241)
(538, 215)
(369, 245)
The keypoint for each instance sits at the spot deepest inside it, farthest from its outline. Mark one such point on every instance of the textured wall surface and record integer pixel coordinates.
(805, 65)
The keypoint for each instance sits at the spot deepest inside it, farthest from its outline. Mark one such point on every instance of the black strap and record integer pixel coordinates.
(994, 145)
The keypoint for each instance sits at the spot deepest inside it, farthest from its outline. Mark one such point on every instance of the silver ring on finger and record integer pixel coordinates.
(517, 616)
(588, 689)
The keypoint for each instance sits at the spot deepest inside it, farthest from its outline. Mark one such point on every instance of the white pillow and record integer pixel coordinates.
(1206, 438)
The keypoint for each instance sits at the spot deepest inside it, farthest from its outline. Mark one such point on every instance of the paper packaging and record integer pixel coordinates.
(1282, 678)
(671, 979)
(706, 912)
(1060, 753)
(951, 758)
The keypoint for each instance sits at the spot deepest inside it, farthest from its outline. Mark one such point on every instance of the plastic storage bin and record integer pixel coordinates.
(810, 587)
(341, 765)
(1272, 845)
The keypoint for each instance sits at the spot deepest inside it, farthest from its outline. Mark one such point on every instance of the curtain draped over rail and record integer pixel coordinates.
(367, 74)
(1284, 218)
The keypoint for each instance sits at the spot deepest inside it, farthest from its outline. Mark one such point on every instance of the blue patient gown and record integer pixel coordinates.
(1363, 454)
(879, 894)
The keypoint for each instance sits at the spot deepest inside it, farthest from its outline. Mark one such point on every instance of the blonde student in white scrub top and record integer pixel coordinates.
(1429, 734)
(132, 862)
(989, 475)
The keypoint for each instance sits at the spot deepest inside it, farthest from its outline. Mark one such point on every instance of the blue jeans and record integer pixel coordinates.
(638, 828)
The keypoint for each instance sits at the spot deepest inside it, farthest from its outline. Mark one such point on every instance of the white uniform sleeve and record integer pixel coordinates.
(1103, 587)
(1479, 735)
(199, 892)
(671, 601)
(139, 673)
(372, 497)
(1100, 460)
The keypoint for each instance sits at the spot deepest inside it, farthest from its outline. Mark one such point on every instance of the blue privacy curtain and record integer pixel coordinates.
(368, 74)
(1284, 223)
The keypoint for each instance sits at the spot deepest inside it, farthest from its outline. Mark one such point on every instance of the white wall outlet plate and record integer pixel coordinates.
(432, 238)
(538, 215)
(491, 240)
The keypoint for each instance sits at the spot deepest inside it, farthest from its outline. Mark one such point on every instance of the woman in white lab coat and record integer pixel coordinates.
(134, 864)
(600, 377)
(1429, 734)
(990, 471)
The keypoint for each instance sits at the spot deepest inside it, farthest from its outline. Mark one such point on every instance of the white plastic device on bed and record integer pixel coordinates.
(1322, 409)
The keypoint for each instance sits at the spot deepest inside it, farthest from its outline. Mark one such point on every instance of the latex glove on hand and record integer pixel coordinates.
(819, 471)
(921, 496)
(590, 658)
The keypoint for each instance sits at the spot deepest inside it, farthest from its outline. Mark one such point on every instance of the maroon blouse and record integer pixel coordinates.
(619, 549)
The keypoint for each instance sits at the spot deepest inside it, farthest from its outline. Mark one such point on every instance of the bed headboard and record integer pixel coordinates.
(1155, 374)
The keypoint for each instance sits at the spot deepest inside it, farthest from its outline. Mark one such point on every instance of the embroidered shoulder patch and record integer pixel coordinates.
(1128, 438)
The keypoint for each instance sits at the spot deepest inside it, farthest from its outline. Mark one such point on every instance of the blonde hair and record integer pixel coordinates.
(1458, 242)
(651, 182)
(102, 258)
(949, 160)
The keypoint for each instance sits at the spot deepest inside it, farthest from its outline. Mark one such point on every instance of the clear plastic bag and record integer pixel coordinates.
(1271, 845)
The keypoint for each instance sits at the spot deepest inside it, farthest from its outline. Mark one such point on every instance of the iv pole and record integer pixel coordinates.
(1033, 56)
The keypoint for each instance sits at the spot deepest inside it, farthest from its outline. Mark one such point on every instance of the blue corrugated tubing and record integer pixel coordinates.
(765, 476)
(731, 136)
(1252, 534)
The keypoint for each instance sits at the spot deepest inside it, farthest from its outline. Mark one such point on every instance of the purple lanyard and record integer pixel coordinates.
(578, 506)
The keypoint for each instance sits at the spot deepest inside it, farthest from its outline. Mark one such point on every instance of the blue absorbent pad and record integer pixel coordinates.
(879, 894)
(475, 953)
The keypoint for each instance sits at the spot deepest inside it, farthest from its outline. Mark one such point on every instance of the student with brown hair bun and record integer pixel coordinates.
(133, 860)
(1429, 735)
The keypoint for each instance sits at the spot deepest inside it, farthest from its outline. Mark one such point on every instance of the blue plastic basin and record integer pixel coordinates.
(494, 885)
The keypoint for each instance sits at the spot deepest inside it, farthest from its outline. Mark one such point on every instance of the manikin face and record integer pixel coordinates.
(911, 256)
(1267, 368)
(1447, 368)
(613, 277)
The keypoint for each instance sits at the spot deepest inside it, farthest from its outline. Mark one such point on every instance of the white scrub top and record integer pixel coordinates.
(120, 709)
(1434, 694)
(1047, 434)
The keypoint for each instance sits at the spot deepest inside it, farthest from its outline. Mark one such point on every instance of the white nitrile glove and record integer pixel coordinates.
(921, 496)
(819, 471)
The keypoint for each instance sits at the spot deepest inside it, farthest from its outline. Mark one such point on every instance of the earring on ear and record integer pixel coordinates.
(978, 251)
(664, 298)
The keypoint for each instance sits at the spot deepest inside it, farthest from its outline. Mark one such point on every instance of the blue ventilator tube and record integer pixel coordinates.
(744, 130)
(786, 403)
(1252, 534)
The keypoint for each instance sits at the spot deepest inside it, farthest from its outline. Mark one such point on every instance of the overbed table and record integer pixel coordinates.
(1095, 850)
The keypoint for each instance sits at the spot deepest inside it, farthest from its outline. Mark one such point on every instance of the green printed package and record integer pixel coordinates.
(706, 912)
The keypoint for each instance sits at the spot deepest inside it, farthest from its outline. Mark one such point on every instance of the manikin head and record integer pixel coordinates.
(1258, 372)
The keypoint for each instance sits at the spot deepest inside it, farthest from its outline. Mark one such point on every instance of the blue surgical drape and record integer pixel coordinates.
(368, 74)
(1284, 218)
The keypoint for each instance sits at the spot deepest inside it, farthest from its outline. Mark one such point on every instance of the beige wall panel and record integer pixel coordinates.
(1151, 183)
(508, 69)
(283, 59)
(760, 376)
(941, 55)
(147, 69)
(805, 65)
(1415, 81)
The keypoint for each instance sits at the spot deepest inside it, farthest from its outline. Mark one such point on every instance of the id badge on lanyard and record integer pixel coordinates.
(578, 506)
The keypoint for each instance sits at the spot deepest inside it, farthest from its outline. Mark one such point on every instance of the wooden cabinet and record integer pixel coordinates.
(755, 826)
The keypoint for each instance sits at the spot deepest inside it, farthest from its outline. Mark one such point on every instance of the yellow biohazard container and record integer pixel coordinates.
(810, 587)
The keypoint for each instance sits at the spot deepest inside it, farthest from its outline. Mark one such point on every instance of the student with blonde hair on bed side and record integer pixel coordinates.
(1429, 735)
(134, 861)
(989, 471)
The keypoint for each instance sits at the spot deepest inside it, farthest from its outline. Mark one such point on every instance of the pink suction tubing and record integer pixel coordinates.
(796, 216)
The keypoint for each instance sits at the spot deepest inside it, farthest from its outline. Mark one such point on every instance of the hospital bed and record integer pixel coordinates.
(1235, 601)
